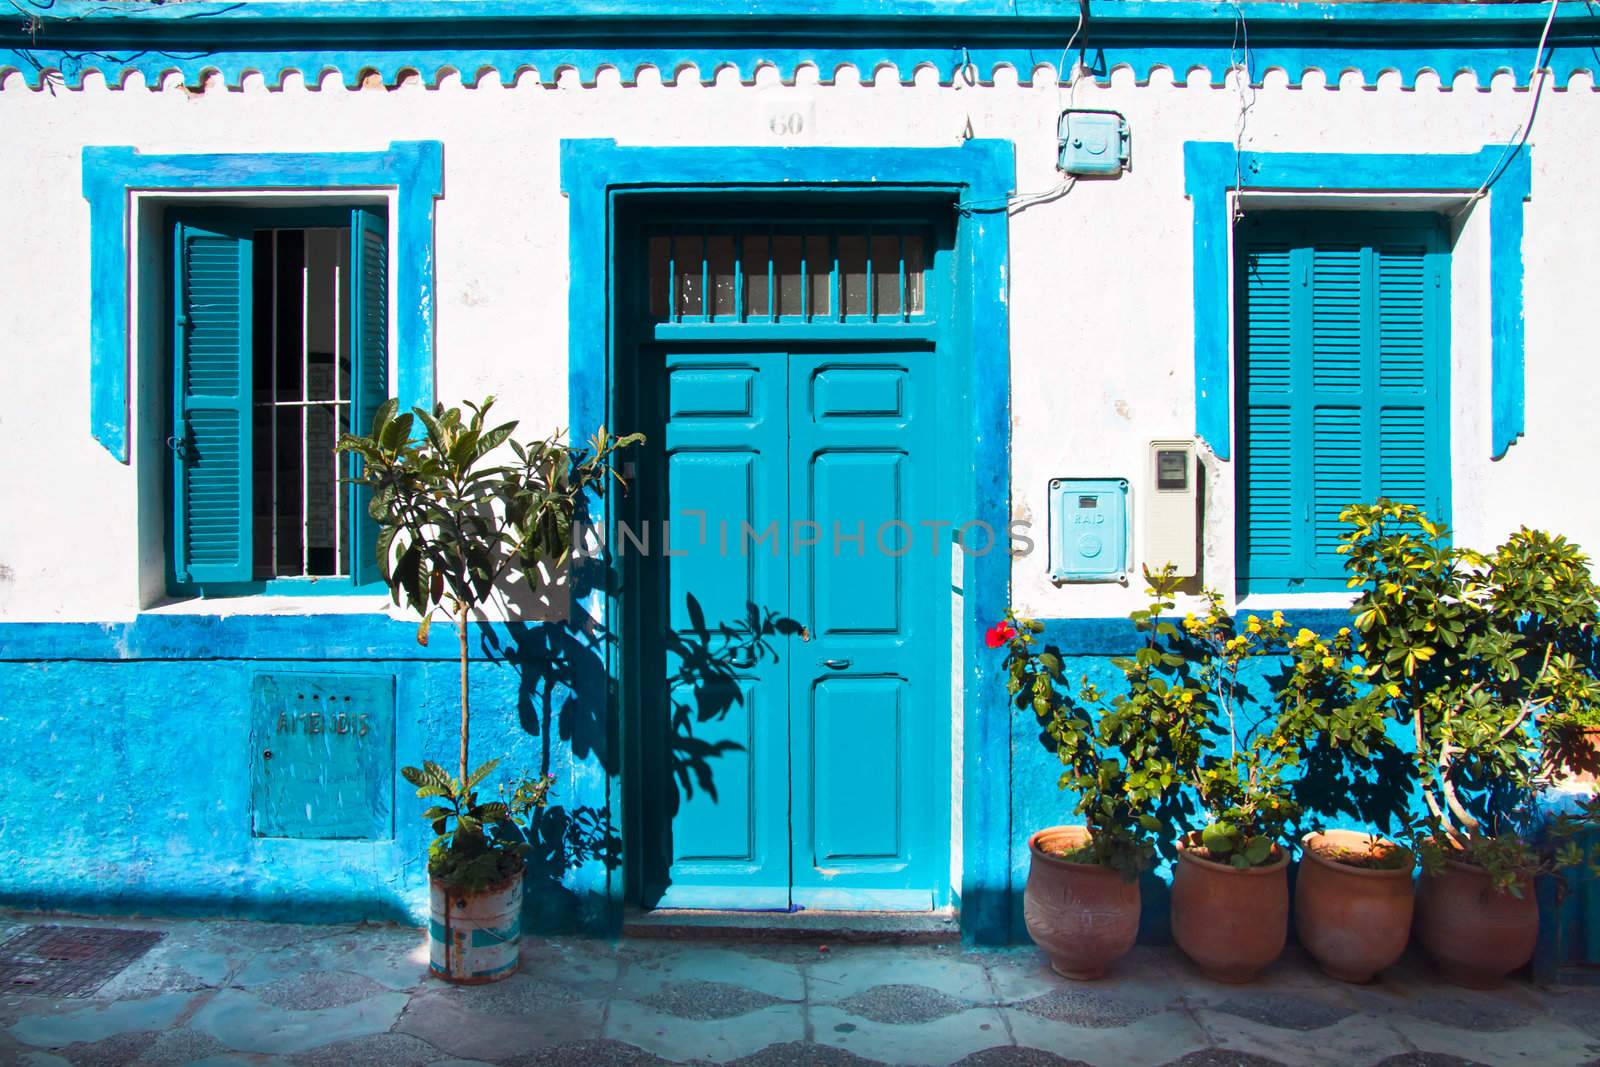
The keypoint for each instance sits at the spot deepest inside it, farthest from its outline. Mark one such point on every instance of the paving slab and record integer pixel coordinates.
(702, 1041)
(221, 994)
(1148, 1041)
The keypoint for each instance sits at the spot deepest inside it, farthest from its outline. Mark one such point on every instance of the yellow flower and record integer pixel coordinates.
(1277, 618)
(1253, 624)
(1393, 690)
(1344, 631)
(1304, 637)
(1329, 662)
(1188, 697)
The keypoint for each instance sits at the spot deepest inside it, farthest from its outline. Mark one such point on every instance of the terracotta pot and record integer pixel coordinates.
(1232, 921)
(1083, 915)
(475, 937)
(1475, 934)
(1572, 755)
(1355, 921)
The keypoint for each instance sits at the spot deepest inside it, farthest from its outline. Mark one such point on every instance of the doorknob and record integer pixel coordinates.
(836, 664)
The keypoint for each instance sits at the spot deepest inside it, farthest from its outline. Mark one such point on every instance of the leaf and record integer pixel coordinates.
(481, 773)
(414, 775)
(423, 628)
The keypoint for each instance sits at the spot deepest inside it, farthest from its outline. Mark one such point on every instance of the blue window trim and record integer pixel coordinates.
(415, 169)
(594, 175)
(508, 37)
(260, 218)
(1210, 172)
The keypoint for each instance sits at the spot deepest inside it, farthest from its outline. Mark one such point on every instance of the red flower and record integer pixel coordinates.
(1000, 633)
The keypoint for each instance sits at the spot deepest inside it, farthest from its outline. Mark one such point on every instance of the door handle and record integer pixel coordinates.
(836, 664)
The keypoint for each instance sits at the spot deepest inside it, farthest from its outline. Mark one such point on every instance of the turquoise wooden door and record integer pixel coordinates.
(800, 636)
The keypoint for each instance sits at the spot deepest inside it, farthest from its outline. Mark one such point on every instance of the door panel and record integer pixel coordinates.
(721, 800)
(865, 690)
(785, 767)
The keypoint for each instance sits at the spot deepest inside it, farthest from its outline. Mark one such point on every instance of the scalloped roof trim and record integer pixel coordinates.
(157, 70)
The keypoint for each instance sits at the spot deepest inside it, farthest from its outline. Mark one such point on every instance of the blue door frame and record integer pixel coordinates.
(601, 179)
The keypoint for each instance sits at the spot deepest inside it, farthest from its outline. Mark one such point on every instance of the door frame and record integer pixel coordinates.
(601, 180)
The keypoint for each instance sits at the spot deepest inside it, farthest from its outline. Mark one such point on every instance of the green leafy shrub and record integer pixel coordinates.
(1471, 651)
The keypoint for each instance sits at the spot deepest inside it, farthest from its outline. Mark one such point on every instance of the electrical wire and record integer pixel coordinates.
(1519, 136)
(1244, 80)
(1019, 202)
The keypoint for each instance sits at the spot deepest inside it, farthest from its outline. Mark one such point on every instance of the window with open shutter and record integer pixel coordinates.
(280, 344)
(1342, 383)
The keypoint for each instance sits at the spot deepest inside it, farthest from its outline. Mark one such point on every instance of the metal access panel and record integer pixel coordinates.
(1089, 530)
(1170, 497)
(323, 756)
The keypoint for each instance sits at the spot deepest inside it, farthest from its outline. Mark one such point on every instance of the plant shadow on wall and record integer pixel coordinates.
(465, 512)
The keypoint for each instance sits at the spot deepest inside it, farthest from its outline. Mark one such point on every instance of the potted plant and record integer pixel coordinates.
(1469, 651)
(1082, 901)
(1353, 899)
(1230, 890)
(456, 523)
(1353, 902)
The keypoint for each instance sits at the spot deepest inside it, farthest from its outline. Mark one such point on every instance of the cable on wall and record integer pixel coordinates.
(1519, 136)
(1019, 202)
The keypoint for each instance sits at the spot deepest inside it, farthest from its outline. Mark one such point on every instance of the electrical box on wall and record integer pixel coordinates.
(1170, 508)
(1089, 529)
(1094, 142)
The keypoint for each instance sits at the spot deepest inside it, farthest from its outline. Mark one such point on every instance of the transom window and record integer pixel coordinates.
(788, 272)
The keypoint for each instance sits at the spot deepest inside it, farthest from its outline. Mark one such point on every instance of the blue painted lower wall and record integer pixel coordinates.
(128, 752)
(128, 749)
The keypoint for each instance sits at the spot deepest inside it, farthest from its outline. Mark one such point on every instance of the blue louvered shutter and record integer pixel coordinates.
(211, 437)
(1342, 386)
(369, 325)
(1269, 534)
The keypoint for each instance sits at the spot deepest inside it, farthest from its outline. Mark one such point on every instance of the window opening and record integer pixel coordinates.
(301, 400)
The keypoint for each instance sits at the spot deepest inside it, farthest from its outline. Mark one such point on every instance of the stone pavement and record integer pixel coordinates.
(230, 993)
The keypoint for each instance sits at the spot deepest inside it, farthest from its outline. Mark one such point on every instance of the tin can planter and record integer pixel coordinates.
(1231, 921)
(1352, 914)
(1476, 934)
(475, 937)
(1083, 915)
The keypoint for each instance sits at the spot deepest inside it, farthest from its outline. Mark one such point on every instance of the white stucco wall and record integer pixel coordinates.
(1101, 301)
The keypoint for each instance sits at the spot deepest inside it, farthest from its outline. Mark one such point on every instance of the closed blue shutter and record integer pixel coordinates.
(211, 437)
(1342, 385)
(369, 299)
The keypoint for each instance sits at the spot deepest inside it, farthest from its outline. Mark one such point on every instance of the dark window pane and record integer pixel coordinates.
(819, 268)
(288, 342)
(853, 273)
(287, 511)
(911, 248)
(321, 492)
(786, 265)
(757, 291)
(660, 270)
(261, 488)
(886, 276)
(321, 312)
(719, 255)
(688, 253)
